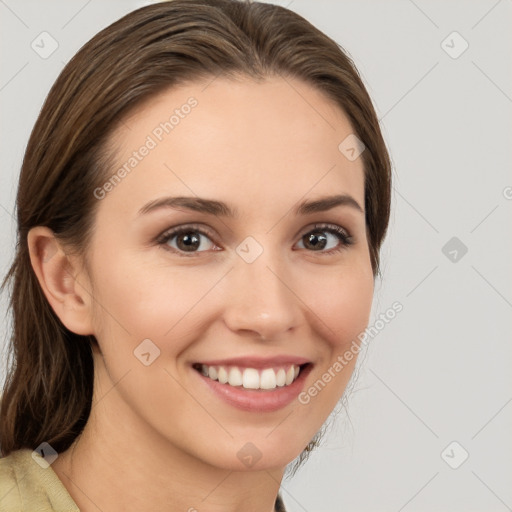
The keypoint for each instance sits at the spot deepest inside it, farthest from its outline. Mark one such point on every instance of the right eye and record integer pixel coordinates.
(185, 241)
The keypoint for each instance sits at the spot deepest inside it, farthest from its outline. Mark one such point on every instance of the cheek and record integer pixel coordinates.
(341, 301)
(146, 299)
(341, 306)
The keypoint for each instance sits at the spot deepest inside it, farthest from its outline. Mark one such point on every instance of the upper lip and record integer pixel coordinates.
(257, 362)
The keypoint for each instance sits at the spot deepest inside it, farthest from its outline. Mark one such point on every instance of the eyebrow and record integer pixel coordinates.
(221, 209)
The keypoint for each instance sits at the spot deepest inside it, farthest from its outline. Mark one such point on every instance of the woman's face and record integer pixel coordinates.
(260, 290)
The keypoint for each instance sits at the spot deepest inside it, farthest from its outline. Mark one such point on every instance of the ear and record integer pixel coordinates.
(61, 282)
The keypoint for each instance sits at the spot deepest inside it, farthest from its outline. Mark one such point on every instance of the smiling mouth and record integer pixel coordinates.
(265, 379)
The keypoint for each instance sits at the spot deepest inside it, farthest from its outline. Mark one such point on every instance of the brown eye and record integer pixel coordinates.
(318, 239)
(191, 240)
(186, 240)
(315, 240)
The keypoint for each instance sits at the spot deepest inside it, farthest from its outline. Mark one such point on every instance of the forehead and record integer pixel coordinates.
(251, 144)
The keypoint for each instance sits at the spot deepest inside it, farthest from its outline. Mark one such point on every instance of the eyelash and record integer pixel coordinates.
(343, 236)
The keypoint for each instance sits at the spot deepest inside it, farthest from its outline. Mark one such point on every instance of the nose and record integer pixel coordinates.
(260, 298)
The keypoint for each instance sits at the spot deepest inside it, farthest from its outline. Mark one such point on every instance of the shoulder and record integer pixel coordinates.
(12, 470)
(28, 483)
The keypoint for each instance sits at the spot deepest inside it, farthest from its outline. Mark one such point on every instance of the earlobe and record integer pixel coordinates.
(60, 281)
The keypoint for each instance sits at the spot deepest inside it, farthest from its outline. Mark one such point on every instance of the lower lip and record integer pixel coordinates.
(256, 400)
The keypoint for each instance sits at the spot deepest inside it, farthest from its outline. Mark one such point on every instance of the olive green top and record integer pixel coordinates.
(29, 484)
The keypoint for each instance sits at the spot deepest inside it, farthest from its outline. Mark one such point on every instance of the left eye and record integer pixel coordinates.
(316, 238)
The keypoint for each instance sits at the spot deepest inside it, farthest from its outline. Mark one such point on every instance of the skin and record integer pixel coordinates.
(156, 439)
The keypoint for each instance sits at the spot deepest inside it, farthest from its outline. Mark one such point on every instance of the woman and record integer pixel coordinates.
(200, 211)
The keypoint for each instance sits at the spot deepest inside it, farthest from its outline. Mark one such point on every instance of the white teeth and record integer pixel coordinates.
(235, 377)
(212, 373)
(268, 379)
(223, 375)
(281, 378)
(290, 376)
(251, 378)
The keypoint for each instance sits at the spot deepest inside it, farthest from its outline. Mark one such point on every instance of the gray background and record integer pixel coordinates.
(440, 371)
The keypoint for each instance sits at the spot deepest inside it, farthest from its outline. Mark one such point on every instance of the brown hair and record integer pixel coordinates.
(48, 389)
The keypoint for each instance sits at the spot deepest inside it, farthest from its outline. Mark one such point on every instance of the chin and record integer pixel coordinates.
(266, 451)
